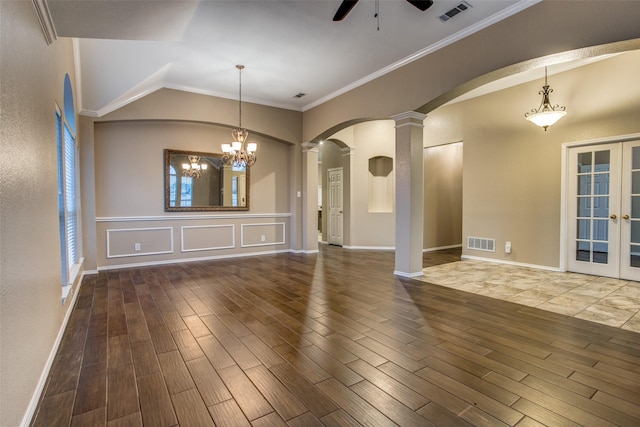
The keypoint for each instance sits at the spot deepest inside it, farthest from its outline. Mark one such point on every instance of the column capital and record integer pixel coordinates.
(348, 151)
(409, 118)
(310, 146)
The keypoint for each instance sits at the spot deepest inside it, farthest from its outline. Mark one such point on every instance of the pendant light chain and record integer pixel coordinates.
(240, 67)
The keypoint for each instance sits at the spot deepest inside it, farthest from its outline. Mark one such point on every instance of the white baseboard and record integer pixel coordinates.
(408, 275)
(35, 399)
(181, 260)
(517, 264)
(371, 248)
(442, 248)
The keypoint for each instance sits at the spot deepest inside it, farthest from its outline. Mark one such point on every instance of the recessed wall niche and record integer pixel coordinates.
(380, 184)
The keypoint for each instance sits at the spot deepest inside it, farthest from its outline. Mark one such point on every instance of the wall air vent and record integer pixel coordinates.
(481, 244)
(453, 12)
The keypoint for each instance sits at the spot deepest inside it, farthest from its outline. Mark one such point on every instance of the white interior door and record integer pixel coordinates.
(334, 200)
(593, 210)
(630, 212)
(604, 210)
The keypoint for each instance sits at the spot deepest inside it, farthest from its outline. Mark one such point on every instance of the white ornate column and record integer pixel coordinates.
(347, 191)
(409, 173)
(310, 197)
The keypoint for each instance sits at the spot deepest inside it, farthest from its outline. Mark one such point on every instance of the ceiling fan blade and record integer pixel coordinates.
(344, 9)
(421, 4)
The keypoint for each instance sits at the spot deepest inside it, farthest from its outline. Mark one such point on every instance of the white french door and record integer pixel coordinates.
(604, 210)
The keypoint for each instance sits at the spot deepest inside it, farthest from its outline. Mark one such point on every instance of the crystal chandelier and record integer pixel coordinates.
(239, 153)
(193, 169)
(546, 114)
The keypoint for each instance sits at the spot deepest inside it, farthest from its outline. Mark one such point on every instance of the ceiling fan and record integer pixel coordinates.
(347, 5)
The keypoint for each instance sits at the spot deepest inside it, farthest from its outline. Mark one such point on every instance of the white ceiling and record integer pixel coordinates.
(128, 49)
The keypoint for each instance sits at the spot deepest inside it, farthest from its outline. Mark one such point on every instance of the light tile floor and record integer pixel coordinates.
(598, 299)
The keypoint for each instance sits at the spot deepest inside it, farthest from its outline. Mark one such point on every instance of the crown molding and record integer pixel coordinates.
(44, 18)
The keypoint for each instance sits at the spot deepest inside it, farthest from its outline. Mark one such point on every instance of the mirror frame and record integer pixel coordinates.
(168, 208)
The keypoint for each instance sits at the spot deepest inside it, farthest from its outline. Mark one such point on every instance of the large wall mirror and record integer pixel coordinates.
(202, 182)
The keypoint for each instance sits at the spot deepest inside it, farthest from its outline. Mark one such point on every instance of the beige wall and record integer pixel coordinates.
(31, 312)
(129, 194)
(512, 169)
(443, 196)
(547, 28)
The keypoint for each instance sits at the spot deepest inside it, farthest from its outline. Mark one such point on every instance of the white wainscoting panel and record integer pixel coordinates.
(195, 238)
(263, 234)
(152, 241)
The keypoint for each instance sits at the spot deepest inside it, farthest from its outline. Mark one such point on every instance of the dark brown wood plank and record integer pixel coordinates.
(228, 414)
(155, 403)
(122, 393)
(191, 410)
(285, 403)
(208, 382)
(175, 372)
(92, 389)
(279, 343)
(247, 396)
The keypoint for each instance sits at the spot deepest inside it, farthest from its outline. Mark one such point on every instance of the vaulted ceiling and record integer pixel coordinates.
(128, 49)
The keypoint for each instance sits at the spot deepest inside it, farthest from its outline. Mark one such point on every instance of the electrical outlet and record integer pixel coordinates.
(263, 238)
(136, 247)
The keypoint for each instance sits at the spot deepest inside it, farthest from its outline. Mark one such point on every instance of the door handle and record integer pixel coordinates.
(625, 216)
(613, 216)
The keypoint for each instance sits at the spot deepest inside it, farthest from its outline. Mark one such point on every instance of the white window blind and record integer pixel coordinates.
(70, 185)
(67, 198)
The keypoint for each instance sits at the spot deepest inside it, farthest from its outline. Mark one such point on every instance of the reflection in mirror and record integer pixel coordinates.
(202, 182)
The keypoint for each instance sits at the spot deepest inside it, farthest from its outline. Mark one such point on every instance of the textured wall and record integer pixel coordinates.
(31, 312)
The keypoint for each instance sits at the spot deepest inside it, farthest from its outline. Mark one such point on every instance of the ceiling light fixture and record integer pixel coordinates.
(546, 114)
(193, 169)
(240, 153)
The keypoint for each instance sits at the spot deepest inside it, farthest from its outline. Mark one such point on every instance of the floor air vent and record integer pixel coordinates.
(453, 12)
(481, 244)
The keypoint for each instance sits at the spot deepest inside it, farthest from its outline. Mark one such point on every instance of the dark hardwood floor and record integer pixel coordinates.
(330, 339)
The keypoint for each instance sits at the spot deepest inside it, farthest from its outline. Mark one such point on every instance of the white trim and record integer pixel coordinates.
(35, 398)
(439, 248)
(304, 251)
(408, 275)
(180, 260)
(189, 217)
(139, 253)
(517, 264)
(233, 237)
(503, 14)
(371, 248)
(45, 21)
(284, 231)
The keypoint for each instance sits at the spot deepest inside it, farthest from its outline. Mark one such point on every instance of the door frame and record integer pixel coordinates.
(564, 189)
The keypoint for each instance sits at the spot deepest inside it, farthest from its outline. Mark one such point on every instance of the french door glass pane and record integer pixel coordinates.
(635, 232)
(635, 158)
(601, 184)
(601, 207)
(601, 229)
(634, 258)
(600, 252)
(602, 163)
(584, 229)
(583, 251)
(584, 185)
(584, 162)
(584, 206)
(635, 182)
(635, 206)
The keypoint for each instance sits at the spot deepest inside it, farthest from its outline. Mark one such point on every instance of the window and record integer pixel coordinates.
(67, 198)
(68, 206)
